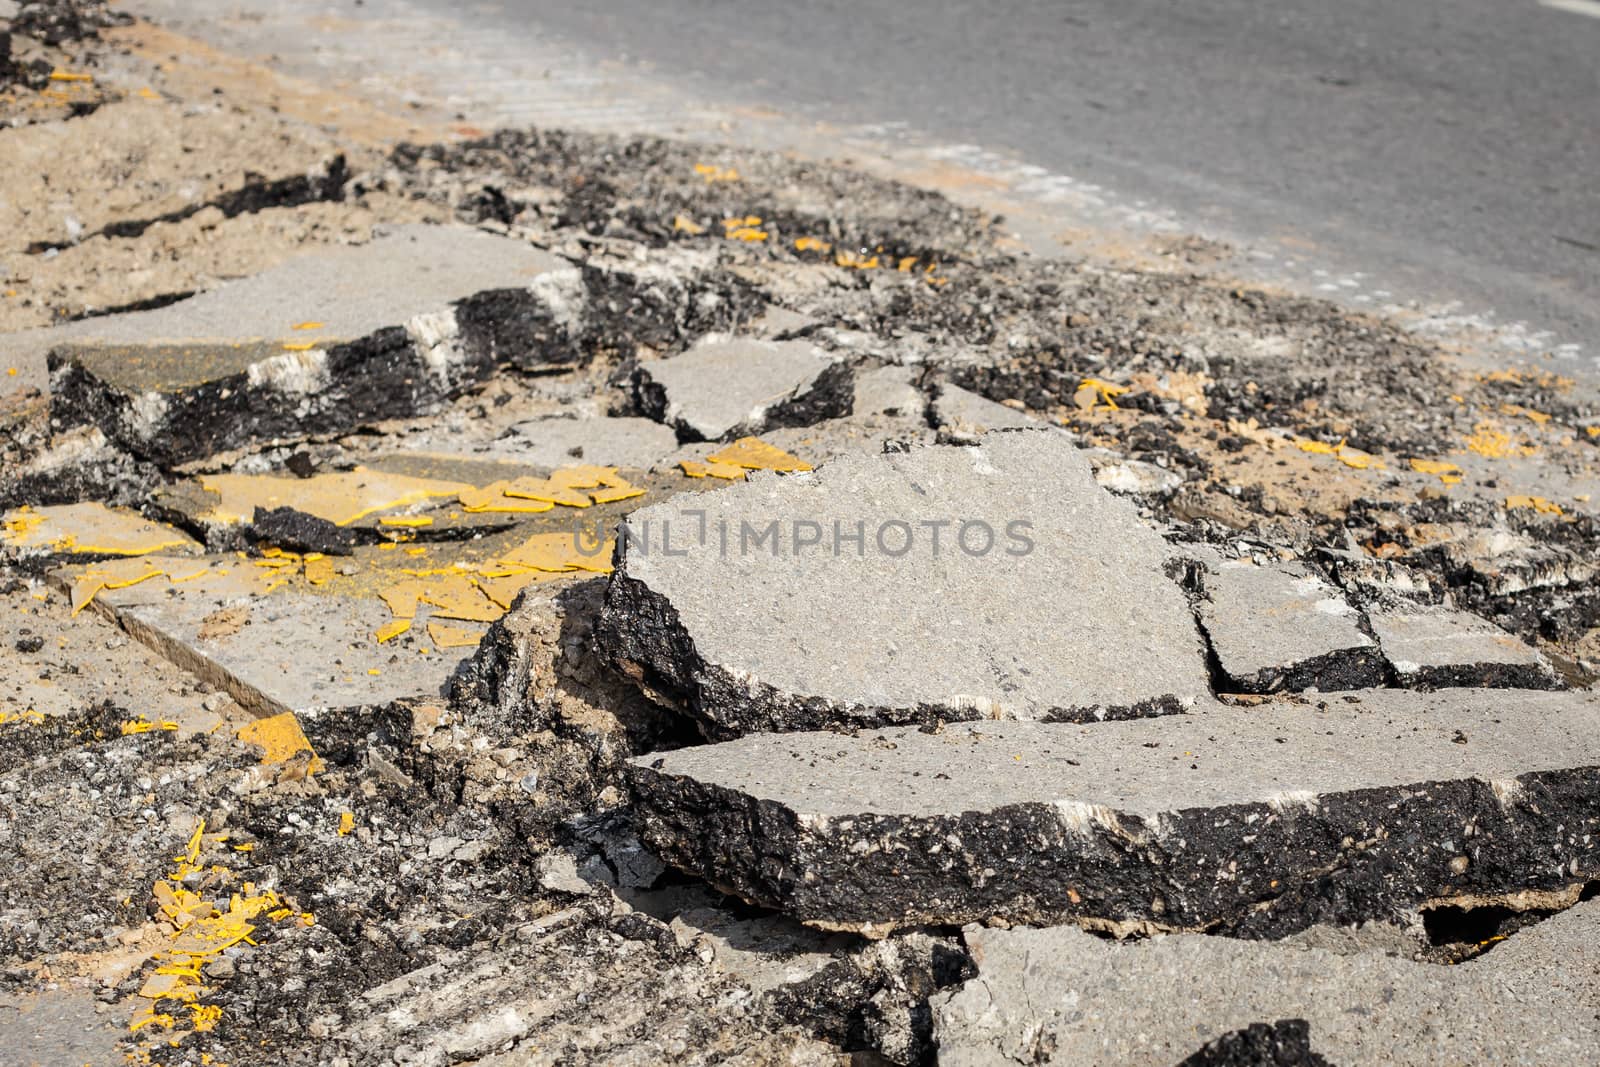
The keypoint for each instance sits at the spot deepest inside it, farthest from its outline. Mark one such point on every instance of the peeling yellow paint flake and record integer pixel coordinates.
(1092, 392)
(347, 822)
(753, 453)
(410, 522)
(460, 599)
(445, 636)
(853, 261)
(280, 738)
(30, 716)
(712, 173)
(1539, 417)
(307, 326)
(341, 497)
(298, 346)
(318, 571)
(811, 244)
(1491, 442)
(684, 224)
(142, 725)
(59, 75)
(1448, 473)
(1535, 503)
(728, 471)
(391, 630)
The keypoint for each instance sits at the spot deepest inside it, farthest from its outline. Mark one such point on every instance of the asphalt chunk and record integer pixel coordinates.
(720, 390)
(940, 583)
(1534, 999)
(1196, 821)
(320, 344)
(1280, 627)
(1435, 647)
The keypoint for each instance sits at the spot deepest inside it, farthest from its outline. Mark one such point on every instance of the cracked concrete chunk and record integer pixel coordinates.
(941, 583)
(87, 531)
(1072, 998)
(889, 391)
(613, 442)
(322, 343)
(1279, 627)
(1435, 647)
(720, 390)
(964, 414)
(1376, 802)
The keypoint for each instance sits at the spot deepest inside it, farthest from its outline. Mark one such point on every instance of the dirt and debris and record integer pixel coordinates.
(327, 734)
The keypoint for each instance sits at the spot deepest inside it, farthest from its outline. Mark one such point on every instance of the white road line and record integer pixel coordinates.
(1576, 7)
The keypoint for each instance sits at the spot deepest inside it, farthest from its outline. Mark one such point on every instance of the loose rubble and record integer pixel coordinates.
(1060, 995)
(533, 596)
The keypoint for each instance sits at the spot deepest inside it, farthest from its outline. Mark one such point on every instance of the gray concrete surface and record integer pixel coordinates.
(1060, 995)
(977, 590)
(612, 442)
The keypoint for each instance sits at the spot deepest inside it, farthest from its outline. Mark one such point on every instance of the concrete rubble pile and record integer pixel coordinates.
(724, 610)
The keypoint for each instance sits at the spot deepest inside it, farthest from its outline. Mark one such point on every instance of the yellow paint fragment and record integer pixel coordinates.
(402, 598)
(1093, 392)
(712, 470)
(391, 630)
(748, 234)
(445, 636)
(684, 224)
(556, 553)
(59, 75)
(712, 173)
(905, 264)
(753, 453)
(299, 346)
(341, 497)
(30, 716)
(612, 496)
(1491, 442)
(307, 326)
(811, 244)
(460, 598)
(1539, 417)
(347, 822)
(1448, 473)
(852, 261)
(493, 498)
(142, 725)
(410, 522)
(546, 490)
(280, 738)
(318, 571)
(1535, 503)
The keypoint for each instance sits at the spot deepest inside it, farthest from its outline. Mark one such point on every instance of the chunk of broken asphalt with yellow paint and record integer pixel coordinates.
(88, 530)
(280, 737)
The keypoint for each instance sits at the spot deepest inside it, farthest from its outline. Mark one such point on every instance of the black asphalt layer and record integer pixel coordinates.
(1447, 148)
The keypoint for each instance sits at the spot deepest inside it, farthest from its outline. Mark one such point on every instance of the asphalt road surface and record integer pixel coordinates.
(1448, 148)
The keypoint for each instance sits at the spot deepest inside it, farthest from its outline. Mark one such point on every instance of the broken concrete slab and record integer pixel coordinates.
(961, 415)
(614, 442)
(85, 532)
(1280, 627)
(940, 583)
(889, 391)
(1431, 647)
(322, 343)
(1263, 819)
(1061, 995)
(52, 663)
(720, 390)
(282, 632)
